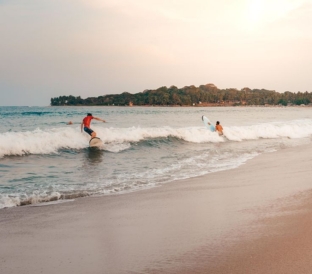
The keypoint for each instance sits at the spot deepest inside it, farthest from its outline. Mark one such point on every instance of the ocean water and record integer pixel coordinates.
(43, 159)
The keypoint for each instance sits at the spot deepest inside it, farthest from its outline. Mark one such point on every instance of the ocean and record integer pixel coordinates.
(42, 159)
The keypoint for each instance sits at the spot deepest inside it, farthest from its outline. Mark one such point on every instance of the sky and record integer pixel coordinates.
(89, 48)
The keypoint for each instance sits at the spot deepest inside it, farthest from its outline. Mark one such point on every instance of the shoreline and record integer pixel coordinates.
(208, 224)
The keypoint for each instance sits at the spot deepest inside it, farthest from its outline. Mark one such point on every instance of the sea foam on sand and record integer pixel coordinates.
(224, 222)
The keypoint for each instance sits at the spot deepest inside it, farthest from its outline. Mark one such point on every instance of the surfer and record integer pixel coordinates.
(219, 128)
(86, 124)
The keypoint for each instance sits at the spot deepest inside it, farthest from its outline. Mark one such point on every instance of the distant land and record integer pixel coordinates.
(204, 95)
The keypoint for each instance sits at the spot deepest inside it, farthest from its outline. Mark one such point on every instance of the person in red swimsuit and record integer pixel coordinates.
(85, 125)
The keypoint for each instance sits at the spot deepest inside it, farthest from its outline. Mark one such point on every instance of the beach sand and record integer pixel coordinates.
(253, 219)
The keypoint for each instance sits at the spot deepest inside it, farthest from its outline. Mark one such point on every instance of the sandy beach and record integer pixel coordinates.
(252, 219)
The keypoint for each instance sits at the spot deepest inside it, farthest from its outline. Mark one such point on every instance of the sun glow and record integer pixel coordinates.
(261, 12)
(255, 11)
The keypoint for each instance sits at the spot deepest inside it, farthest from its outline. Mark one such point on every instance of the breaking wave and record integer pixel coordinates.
(49, 141)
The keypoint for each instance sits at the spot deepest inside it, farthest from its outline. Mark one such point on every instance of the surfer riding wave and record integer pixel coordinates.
(85, 125)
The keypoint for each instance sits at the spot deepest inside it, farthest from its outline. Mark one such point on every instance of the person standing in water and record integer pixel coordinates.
(219, 128)
(85, 125)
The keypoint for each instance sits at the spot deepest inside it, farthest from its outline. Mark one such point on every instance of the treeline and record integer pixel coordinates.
(190, 95)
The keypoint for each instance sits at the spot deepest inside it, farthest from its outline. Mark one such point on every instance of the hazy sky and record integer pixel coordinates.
(90, 48)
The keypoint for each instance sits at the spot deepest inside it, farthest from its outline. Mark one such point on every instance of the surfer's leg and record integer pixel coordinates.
(90, 132)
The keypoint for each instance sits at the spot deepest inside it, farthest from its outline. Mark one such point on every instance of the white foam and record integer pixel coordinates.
(7, 201)
(50, 141)
(52, 203)
(40, 141)
(293, 129)
(186, 168)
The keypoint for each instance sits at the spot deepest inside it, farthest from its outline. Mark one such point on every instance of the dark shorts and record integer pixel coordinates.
(88, 130)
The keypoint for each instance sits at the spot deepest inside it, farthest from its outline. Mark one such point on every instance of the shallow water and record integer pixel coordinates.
(43, 159)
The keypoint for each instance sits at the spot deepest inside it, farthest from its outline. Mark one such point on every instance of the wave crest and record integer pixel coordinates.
(50, 141)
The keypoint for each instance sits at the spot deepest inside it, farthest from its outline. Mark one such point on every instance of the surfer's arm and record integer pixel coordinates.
(81, 126)
(96, 118)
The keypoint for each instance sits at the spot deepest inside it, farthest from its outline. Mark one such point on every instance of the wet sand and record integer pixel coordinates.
(253, 219)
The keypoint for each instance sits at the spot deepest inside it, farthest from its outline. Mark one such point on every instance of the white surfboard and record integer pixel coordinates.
(96, 142)
(206, 122)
